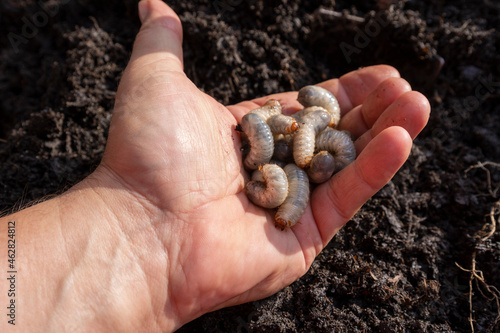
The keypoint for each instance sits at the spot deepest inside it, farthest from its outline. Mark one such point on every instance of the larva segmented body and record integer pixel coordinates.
(271, 108)
(282, 124)
(339, 144)
(260, 139)
(322, 167)
(257, 174)
(271, 140)
(295, 204)
(305, 137)
(272, 190)
(317, 96)
(299, 114)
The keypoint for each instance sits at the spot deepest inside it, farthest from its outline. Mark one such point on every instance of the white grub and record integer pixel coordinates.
(322, 167)
(283, 148)
(295, 204)
(299, 114)
(260, 139)
(282, 124)
(317, 96)
(271, 108)
(257, 174)
(269, 187)
(305, 137)
(339, 144)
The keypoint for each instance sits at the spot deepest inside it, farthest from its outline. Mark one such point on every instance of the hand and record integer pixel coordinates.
(162, 231)
(177, 150)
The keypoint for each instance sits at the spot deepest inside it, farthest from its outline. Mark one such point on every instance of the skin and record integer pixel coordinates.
(162, 231)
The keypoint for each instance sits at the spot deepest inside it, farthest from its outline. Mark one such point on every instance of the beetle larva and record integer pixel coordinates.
(310, 150)
(322, 167)
(282, 124)
(339, 144)
(304, 138)
(295, 204)
(269, 188)
(260, 140)
(317, 96)
(257, 174)
(271, 108)
(299, 114)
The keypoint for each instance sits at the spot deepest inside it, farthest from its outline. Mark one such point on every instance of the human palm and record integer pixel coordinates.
(176, 149)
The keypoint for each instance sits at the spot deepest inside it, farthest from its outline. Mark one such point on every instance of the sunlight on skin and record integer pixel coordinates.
(166, 213)
(253, 259)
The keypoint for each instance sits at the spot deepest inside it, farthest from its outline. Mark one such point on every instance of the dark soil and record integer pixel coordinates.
(403, 264)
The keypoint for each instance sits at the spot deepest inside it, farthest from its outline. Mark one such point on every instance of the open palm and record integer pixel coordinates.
(176, 149)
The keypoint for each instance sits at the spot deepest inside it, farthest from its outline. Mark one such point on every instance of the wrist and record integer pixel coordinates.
(97, 264)
(125, 259)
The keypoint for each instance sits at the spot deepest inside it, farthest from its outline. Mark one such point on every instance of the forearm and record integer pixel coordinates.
(76, 266)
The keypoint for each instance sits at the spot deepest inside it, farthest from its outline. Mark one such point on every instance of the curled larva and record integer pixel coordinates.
(339, 144)
(260, 139)
(257, 174)
(322, 167)
(282, 124)
(295, 204)
(283, 150)
(299, 114)
(304, 139)
(271, 108)
(317, 96)
(272, 190)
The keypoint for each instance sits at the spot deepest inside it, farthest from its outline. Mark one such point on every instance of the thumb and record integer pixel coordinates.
(160, 37)
(155, 68)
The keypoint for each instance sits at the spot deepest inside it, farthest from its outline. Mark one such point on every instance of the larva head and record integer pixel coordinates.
(306, 162)
(273, 103)
(281, 223)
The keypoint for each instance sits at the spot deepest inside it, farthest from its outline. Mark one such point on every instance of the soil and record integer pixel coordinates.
(421, 256)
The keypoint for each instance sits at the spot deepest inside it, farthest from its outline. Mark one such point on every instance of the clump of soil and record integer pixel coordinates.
(421, 256)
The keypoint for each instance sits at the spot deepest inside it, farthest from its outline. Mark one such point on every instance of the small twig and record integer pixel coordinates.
(477, 275)
(484, 234)
(333, 13)
(471, 278)
(482, 165)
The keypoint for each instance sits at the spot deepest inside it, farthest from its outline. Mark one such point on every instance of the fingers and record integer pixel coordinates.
(155, 69)
(160, 37)
(361, 118)
(411, 111)
(335, 202)
(351, 90)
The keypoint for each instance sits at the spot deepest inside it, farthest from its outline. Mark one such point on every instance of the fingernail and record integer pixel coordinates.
(143, 10)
